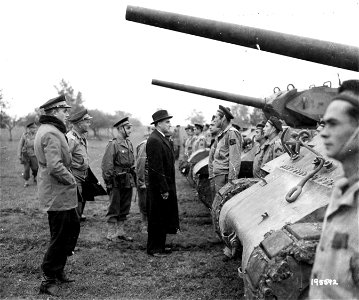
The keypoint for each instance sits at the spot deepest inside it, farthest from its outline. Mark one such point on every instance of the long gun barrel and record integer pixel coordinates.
(297, 109)
(322, 52)
(235, 98)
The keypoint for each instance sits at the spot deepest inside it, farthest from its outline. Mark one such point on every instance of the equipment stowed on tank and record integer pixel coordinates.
(274, 223)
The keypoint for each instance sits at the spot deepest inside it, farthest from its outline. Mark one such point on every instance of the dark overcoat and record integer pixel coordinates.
(162, 213)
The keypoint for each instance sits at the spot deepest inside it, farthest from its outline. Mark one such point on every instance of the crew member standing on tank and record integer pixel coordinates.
(119, 176)
(57, 191)
(227, 155)
(162, 207)
(81, 122)
(337, 255)
(270, 149)
(26, 153)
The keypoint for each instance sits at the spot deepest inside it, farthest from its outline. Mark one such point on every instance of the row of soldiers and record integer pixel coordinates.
(226, 144)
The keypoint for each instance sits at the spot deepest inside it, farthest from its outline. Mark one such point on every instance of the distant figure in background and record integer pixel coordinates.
(118, 164)
(162, 204)
(57, 190)
(337, 254)
(200, 142)
(214, 132)
(270, 149)
(188, 143)
(142, 180)
(26, 153)
(177, 141)
(80, 163)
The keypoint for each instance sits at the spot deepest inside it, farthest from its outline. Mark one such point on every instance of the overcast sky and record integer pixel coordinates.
(112, 61)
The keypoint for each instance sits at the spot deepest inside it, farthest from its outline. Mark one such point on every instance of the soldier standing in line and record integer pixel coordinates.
(227, 155)
(142, 180)
(119, 176)
(213, 144)
(177, 141)
(80, 164)
(57, 192)
(259, 139)
(188, 144)
(200, 142)
(270, 149)
(26, 153)
(337, 255)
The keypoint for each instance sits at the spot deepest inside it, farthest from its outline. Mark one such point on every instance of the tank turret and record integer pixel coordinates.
(318, 51)
(300, 109)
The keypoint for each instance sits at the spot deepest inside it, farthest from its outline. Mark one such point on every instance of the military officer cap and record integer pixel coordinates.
(276, 123)
(160, 115)
(236, 126)
(124, 121)
(58, 102)
(226, 111)
(261, 124)
(198, 125)
(79, 116)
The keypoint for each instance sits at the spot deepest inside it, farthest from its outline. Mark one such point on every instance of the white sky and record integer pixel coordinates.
(112, 61)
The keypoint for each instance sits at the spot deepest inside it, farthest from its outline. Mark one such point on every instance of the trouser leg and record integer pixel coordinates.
(125, 203)
(156, 239)
(34, 166)
(26, 174)
(64, 230)
(113, 211)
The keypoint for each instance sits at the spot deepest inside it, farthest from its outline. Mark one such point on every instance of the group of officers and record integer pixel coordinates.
(63, 169)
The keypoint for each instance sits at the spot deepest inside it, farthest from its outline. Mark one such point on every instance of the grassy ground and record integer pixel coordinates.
(120, 270)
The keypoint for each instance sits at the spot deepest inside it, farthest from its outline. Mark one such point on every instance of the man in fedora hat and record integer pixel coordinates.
(57, 191)
(270, 149)
(227, 154)
(26, 153)
(119, 175)
(80, 164)
(162, 204)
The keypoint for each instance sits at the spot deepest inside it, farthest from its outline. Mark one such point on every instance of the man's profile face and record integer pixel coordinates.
(218, 119)
(189, 132)
(339, 127)
(62, 114)
(197, 131)
(259, 134)
(84, 125)
(164, 126)
(268, 129)
(212, 128)
(32, 129)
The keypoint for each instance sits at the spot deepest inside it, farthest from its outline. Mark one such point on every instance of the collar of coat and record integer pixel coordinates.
(44, 119)
(162, 136)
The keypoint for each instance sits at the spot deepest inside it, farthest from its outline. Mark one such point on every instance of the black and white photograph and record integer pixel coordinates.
(179, 149)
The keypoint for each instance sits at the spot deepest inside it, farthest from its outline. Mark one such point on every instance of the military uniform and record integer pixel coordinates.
(27, 156)
(57, 192)
(188, 147)
(265, 153)
(118, 174)
(335, 274)
(227, 156)
(199, 143)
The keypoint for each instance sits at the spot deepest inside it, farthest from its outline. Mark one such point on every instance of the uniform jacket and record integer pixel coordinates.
(161, 175)
(270, 150)
(227, 155)
(210, 159)
(118, 163)
(141, 165)
(26, 145)
(337, 255)
(56, 185)
(78, 150)
(188, 146)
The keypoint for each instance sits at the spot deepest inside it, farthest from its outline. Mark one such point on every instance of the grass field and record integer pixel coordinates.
(102, 269)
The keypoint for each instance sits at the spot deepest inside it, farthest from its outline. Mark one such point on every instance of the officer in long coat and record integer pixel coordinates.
(80, 164)
(26, 153)
(162, 207)
(118, 172)
(57, 191)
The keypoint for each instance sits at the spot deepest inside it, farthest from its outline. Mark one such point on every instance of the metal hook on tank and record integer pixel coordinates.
(294, 192)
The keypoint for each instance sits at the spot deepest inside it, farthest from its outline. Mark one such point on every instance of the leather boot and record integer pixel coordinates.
(63, 278)
(48, 285)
